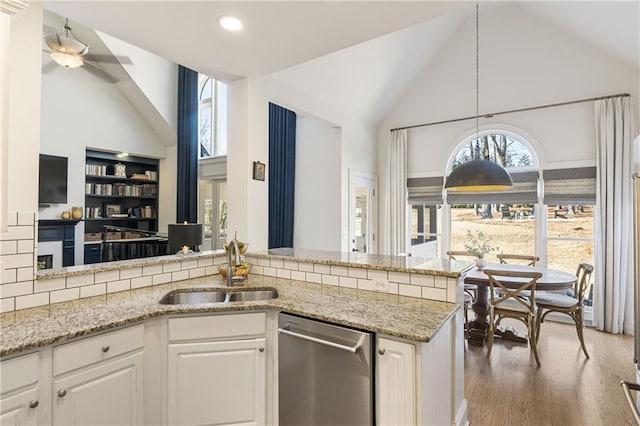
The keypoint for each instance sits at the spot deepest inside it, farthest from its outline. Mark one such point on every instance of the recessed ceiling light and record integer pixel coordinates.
(230, 23)
(122, 154)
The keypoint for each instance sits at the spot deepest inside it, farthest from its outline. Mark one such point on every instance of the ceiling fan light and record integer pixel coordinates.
(72, 46)
(67, 60)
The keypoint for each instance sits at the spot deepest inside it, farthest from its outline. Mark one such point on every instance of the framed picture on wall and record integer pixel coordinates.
(258, 170)
(112, 210)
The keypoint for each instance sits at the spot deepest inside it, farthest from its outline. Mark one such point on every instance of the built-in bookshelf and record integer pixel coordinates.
(120, 192)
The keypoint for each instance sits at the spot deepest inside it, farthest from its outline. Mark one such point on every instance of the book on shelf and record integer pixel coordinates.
(151, 175)
(121, 189)
(92, 212)
(95, 170)
(145, 212)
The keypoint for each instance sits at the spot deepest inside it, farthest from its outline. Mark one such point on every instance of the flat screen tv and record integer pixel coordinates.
(52, 186)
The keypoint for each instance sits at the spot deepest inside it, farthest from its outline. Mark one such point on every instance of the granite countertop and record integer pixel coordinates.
(417, 265)
(407, 317)
(124, 264)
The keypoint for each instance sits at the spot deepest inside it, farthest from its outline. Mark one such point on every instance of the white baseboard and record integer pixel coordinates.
(462, 417)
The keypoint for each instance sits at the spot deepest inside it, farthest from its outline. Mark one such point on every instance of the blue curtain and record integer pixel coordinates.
(187, 191)
(282, 173)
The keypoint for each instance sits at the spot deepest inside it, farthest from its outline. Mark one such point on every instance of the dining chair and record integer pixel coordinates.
(470, 290)
(548, 302)
(511, 303)
(508, 258)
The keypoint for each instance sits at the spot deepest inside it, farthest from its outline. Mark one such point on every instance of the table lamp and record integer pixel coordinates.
(185, 235)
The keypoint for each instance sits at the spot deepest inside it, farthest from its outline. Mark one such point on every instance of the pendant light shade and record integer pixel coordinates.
(478, 174)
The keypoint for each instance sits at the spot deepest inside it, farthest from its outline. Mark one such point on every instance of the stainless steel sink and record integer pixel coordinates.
(187, 297)
(252, 295)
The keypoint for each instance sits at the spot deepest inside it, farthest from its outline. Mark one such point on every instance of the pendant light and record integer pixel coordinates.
(478, 174)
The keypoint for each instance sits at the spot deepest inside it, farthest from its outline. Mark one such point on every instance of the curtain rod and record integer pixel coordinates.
(620, 95)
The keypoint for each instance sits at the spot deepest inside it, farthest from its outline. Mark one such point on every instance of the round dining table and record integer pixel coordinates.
(552, 279)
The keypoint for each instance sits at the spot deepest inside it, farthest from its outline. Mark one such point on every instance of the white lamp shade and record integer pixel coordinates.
(67, 60)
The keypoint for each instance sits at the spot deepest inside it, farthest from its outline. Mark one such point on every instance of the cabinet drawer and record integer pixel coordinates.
(18, 372)
(217, 326)
(94, 349)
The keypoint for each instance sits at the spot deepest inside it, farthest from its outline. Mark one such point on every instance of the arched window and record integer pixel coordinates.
(212, 117)
(506, 218)
(506, 148)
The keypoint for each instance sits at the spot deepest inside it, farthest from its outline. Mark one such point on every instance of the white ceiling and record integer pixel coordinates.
(277, 35)
(299, 41)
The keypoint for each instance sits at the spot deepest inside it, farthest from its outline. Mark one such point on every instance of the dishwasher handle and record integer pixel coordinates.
(628, 387)
(353, 349)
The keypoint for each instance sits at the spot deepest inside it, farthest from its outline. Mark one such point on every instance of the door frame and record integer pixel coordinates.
(372, 210)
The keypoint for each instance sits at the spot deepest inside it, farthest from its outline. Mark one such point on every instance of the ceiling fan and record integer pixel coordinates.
(70, 52)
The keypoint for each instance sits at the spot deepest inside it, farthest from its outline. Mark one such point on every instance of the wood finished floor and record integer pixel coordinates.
(568, 389)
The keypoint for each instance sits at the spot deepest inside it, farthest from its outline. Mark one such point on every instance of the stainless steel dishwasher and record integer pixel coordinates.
(325, 374)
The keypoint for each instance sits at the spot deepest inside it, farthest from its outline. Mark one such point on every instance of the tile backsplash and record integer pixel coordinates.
(20, 288)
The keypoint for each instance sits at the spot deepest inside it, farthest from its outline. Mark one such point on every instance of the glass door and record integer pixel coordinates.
(362, 207)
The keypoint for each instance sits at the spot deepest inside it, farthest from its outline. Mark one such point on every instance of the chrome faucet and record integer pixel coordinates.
(233, 248)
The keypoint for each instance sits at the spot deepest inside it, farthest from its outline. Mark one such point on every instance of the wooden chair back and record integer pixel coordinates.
(530, 260)
(453, 254)
(529, 280)
(583, 275)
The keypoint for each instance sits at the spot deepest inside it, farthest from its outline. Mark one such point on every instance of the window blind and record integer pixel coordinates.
(525, 190)
(427, 190)
(570, 186)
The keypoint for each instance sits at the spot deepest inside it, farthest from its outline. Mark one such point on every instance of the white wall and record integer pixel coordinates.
(156, 89)
(317, 196)
(24, 109)
(248, 210)
(80, 111)
(168, 181)
(240, 204)
(523, 62)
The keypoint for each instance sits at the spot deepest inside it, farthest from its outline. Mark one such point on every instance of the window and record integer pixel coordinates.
(425, 224)
(212, 117)
(570, 198)
(505, 217)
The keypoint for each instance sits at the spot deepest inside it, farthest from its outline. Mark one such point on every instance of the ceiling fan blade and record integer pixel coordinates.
(108, 59)
(48, 67)
(99, 73)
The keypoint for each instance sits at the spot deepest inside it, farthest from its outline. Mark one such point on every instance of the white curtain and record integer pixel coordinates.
(397, 193)
(613, 275)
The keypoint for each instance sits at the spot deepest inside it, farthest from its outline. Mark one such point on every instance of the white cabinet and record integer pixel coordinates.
(108, 394)
(19, 391)
(396, 383)
(217, 383)
(217, 370)
(99, 380)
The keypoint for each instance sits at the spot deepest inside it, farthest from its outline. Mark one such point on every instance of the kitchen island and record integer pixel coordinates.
(422, 324)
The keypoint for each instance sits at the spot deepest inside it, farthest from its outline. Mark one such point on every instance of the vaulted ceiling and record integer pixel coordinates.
(371, 51)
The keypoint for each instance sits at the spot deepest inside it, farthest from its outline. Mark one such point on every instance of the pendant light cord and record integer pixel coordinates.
(477, 72)
(476, 154)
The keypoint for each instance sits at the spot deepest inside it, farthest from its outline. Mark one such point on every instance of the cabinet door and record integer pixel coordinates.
(217, 383)
(396, 385)
(110, 393)
(20, 409)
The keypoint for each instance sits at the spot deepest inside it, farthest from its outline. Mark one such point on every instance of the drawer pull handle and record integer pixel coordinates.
(62, 393)
(105, 348)
(381, 351)
(34, 403)
(261, 349)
